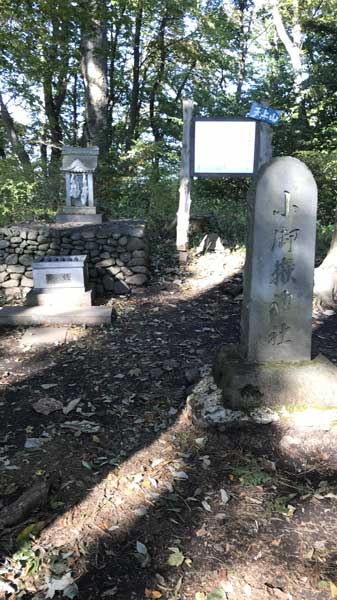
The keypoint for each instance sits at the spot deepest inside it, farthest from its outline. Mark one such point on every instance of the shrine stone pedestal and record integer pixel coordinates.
(85, 215)
(272, 366)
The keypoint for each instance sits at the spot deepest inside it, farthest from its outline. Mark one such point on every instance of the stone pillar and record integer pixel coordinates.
(90, 189)
(279, 271)
(68, 198)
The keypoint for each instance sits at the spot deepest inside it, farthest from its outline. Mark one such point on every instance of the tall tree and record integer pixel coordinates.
(94, 63)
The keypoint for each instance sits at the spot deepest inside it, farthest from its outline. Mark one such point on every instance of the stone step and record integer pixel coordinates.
(47, 315)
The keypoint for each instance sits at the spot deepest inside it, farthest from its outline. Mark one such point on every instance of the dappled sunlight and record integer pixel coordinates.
(136, 483)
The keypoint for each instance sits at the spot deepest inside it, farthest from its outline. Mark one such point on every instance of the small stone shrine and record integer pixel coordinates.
(78, 165)
(272, 367)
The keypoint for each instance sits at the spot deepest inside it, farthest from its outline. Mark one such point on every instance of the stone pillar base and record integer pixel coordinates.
(279, 386)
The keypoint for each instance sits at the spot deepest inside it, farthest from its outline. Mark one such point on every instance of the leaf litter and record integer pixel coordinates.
(148, 505)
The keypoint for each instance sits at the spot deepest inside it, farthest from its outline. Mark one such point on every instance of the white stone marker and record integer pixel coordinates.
(279, 271)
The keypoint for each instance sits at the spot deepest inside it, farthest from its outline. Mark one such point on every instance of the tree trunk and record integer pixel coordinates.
(245, 27)
(94, 72)
(13, 137)
(294, 48)
(134, 103)
(156, 131)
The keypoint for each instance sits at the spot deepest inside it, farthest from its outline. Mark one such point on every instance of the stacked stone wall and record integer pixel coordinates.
(118, 254)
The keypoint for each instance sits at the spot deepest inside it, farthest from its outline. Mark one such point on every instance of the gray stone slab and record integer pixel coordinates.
(67, 298)
(76, 218)
(279, 271)
(45, 315)
(41, 336)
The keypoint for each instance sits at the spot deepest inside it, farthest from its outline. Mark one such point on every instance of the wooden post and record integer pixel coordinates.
(265, 148)
(183, 214)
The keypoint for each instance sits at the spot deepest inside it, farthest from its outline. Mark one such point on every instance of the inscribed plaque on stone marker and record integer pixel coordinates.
(279, 271)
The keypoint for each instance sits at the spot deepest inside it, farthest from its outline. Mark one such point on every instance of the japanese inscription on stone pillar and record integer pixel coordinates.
(279, 271)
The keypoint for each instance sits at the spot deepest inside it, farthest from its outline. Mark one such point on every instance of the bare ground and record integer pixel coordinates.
(123, 496)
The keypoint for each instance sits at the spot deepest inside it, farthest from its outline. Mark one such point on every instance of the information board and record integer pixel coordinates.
(223, 146)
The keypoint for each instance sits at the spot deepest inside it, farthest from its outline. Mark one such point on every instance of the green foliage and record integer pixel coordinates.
(323, 166)
(251, 473)
(23, 196)
(223, 55)
(225, 198)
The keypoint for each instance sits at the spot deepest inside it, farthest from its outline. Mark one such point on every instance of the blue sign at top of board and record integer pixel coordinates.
(264, 113)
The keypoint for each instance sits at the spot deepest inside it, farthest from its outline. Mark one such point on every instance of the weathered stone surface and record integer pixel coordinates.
(2, 268)
(12, 292)
(138, 279)
(26, 282)
(12, 259)
(205, 408)
(4, 244)
(26, 260)
(108, 283)
(248, 386)
(32, 235)
(139, 254)
(136, 262)
(140, 269)
(3, 276)
(15, 269)
(9, 283)
(120, 287)
(88, 235)
(135, 244)
(16, 276)
(123, 240)
(114, 270)
(107, 262)
(16, 240)
(278, 288)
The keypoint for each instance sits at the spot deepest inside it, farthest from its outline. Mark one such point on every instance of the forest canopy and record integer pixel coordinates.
(114, 73)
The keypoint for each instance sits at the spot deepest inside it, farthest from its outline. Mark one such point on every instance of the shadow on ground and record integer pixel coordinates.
(130, 466)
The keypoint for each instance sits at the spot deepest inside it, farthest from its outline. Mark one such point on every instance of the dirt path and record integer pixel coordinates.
(142, 504)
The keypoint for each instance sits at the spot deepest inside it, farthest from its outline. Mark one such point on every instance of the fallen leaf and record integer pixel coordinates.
(71, 405)
(176, 558)
(224, 496)
(218, 594)
(152, 593)
(276, 542)
(333, 589)
(200, 596)
(48, 386)
(58, 585)
(206, 506)
(31, 529)
(142, 554)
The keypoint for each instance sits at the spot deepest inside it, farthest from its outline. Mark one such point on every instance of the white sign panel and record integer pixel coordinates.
(224, 147)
